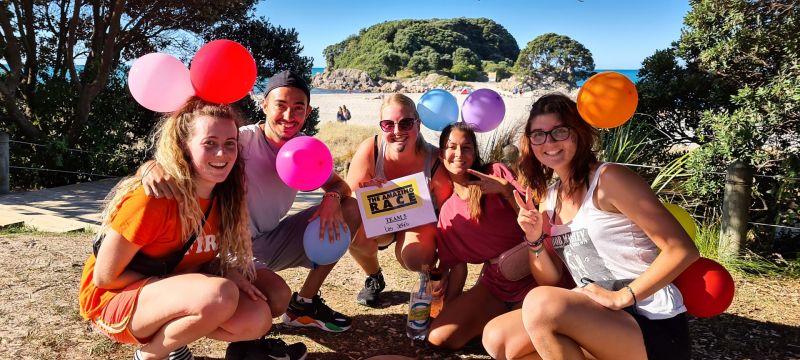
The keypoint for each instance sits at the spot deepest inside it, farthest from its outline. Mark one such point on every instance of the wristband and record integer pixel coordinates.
(333, 194)
(537, 251)
(538, 242)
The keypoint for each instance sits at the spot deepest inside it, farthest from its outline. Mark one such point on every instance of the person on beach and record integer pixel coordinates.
(477, 224)
(616, 240)
(343, 114)
(399, 151)
(277, 238)
(210, 292)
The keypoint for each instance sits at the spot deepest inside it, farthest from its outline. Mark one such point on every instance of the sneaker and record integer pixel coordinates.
(370, 294)
(315, 314)
(265, 348)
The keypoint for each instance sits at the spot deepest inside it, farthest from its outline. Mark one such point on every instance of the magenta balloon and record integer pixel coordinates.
(484, 109)
(304, 163)
(160, 82)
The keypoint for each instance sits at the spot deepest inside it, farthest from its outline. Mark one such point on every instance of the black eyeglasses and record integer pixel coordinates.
(558, 133)
(405, 124)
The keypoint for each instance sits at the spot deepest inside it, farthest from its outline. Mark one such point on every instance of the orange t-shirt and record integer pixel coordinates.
(153, 224)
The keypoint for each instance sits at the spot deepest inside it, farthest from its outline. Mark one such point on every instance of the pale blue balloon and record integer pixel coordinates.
(324, 252)
(437, 108)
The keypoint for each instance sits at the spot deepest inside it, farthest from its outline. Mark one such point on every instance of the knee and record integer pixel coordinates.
(255, 326)
(440, 336)
(216, 298)
(279, 300)
(541, 309)
(351, 213)
(494, 341)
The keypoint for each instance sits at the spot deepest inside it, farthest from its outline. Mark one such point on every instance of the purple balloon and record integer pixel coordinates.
(304, 163)
(484, 110)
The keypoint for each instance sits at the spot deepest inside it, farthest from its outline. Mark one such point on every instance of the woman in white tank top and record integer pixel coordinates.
(617, 241)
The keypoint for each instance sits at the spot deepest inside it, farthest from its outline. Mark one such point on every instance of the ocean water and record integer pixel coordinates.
(629, 73)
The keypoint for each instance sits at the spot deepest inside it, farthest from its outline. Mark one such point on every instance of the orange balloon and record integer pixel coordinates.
(607, 100)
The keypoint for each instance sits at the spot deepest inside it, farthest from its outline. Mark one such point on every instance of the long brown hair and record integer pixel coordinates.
(475, 194)
(169, 138)
(532, 172)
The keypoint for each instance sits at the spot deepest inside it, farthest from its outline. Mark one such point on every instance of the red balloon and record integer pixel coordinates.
(707, 288)
(223, 71)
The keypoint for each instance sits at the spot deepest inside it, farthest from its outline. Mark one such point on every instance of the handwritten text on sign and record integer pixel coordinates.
(399, 204)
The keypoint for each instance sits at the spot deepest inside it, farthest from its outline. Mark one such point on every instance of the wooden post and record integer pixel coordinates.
(735, 205)
(4, 161)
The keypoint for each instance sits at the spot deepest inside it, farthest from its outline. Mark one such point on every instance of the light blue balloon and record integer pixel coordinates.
(324, 252)
(437, 108)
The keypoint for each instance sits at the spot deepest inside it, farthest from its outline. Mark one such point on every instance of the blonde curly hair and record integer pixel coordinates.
(169, 138)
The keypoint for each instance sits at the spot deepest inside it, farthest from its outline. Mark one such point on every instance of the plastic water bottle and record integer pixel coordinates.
(437, 292)
(419, 308)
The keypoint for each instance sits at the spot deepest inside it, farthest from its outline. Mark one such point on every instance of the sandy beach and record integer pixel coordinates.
(364, 107)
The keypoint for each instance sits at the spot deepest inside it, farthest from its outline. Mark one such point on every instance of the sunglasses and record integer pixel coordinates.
(405, 124)
(558, 133)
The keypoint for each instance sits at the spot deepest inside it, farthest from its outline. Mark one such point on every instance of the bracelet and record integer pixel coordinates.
(537, 251)
(533, 244)
(635, 303)
(333, 194)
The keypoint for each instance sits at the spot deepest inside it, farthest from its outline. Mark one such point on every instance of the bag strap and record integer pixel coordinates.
(191, 240)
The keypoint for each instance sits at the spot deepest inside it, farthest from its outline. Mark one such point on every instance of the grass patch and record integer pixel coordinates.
(748, 262)
(343, 140)
(11, 231)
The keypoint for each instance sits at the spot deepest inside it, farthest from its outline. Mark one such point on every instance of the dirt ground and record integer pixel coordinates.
(39, 319)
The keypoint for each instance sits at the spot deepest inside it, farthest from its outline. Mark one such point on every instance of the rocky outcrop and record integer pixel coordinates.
(357, 80)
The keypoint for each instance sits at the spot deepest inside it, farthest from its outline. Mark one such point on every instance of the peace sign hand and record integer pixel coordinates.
(490, 184)
(529, 218)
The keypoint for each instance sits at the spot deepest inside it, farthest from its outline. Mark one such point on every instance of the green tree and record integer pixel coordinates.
(384, 48)
(41, 41)
(554, 56)
(274, 49)
(732, 84)
(465, 56)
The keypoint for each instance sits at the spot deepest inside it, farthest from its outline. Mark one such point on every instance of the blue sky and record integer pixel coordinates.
(620, 34)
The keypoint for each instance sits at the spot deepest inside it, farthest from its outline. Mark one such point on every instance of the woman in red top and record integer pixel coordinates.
(477, 223)
(209, 293)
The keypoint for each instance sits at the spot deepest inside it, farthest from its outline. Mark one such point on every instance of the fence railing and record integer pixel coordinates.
(736, 203)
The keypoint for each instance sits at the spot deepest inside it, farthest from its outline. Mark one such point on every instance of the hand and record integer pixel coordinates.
(529, 218)
(378, 181)
(244, 285)
(490, 184)
(157, 183)
(330, 217)
(614, 300)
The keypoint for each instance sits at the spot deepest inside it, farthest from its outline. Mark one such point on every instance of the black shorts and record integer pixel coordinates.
(665, 338)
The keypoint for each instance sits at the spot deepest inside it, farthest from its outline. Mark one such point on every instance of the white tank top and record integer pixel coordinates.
(603, 245)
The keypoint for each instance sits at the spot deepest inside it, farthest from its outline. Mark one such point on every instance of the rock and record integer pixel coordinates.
(344, 79)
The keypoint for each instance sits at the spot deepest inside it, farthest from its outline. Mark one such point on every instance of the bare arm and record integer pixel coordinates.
(361, 167)
(623, 191)
(113, 257)
(456, 278)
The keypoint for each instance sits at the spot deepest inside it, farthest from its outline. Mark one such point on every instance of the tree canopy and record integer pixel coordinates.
(422, 45)
(47, 97)
(554, 57)
(731, 83)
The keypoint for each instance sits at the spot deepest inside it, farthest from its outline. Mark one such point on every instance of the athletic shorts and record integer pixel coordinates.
(114, 318)
(666, 339)
(282, 248)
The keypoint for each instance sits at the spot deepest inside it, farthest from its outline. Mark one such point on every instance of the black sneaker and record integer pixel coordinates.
(315, 314)
(265, 348)
(370, 294)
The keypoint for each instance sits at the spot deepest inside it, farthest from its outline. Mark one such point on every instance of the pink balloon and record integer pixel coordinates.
(304, 163)
(484, 109)
(160, 82)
